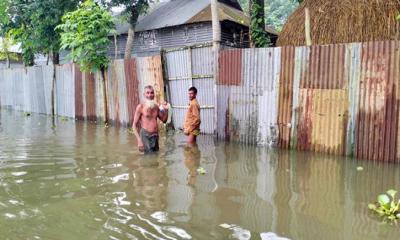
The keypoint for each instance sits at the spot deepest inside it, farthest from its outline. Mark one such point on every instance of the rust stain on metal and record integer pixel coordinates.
(227, 126)
(114, 93)
(395, 75)
(378, 108)
(155, 65)
(230, 67)
(90, 97)
(286, 96)
(325, 69)
(78, 93)
(329, 120)
(150, 72)
(304, 128)
(132, 87)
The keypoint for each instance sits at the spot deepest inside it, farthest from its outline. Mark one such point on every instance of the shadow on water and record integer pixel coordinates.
(77, 180)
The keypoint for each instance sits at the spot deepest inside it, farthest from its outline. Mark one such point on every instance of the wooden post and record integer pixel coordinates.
(53, 89)
(307, 27)
(115, 47)
(105, 95)
(216, 29)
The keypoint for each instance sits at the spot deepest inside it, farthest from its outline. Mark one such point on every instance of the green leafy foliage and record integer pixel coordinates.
(85, 32)
(5, 52)
(387, 206)
(46, 16)
(4, 18)
(32, 23)
(132, 8)
(21, 29)
(276, 11)
(258, 35)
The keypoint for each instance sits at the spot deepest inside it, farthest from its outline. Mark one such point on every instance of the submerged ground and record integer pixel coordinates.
(83, 181)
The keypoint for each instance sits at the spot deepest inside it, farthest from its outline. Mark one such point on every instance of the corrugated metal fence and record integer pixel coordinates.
(79, 95)
(248, 87)
(187, 67)
(340, 99)
(27, 89)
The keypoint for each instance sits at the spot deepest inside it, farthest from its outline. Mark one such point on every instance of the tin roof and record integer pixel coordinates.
(179, 12)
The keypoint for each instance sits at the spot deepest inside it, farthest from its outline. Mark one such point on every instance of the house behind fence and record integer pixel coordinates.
(180, 23)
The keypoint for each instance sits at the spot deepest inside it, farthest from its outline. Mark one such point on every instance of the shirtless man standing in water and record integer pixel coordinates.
(145, 125)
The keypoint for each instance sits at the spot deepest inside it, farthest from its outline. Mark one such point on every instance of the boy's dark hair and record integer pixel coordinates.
(193, 89)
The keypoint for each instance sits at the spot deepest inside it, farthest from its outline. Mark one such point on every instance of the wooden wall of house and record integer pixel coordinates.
(234, 35)
(151, 42)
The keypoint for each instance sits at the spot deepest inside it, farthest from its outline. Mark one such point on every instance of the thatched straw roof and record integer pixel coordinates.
(343, 21)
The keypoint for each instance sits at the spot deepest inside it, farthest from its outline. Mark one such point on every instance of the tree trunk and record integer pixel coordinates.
(216, 28)
(8, 60)
(129, 42)
(28, 57)
(56, 58)
(105, 98)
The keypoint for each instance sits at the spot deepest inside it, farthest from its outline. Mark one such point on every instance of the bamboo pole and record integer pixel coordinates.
(307, 26)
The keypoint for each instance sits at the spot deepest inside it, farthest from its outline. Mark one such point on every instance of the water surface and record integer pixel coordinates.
(83, 181)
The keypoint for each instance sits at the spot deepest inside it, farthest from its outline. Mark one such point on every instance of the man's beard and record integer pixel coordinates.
(151, 104)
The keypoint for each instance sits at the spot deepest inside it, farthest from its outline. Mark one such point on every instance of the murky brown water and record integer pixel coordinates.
(82, 181)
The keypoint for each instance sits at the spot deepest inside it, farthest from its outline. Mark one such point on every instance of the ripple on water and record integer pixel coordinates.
(52, 179)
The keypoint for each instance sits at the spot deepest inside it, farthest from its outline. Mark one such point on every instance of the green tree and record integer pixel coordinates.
(5, 52)
(258, 36)
(132, 10)
(4, 18)
(245, 5)
(32, 23)
(21, 29)
(46, 16)
(85, 32)
(276, 11)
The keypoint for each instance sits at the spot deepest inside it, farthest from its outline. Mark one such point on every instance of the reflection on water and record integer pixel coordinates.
(192, 156)
(82, 181)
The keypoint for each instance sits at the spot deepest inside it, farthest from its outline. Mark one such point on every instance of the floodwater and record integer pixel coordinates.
(83, 181)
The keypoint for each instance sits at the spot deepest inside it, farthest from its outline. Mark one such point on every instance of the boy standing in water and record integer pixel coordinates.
(191, 126)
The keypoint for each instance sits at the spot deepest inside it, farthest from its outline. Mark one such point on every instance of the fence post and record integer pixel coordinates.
(216, 29)
(307, 26)
(53, 86)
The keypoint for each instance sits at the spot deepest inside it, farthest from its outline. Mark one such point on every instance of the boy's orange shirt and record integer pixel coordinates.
(192, 119)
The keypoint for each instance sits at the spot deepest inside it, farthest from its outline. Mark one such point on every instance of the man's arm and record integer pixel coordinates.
(135, 126)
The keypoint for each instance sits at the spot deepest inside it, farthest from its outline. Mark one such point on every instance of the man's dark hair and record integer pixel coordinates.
(193, 89)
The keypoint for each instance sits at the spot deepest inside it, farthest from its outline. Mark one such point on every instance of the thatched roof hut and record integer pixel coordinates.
(343, 21)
